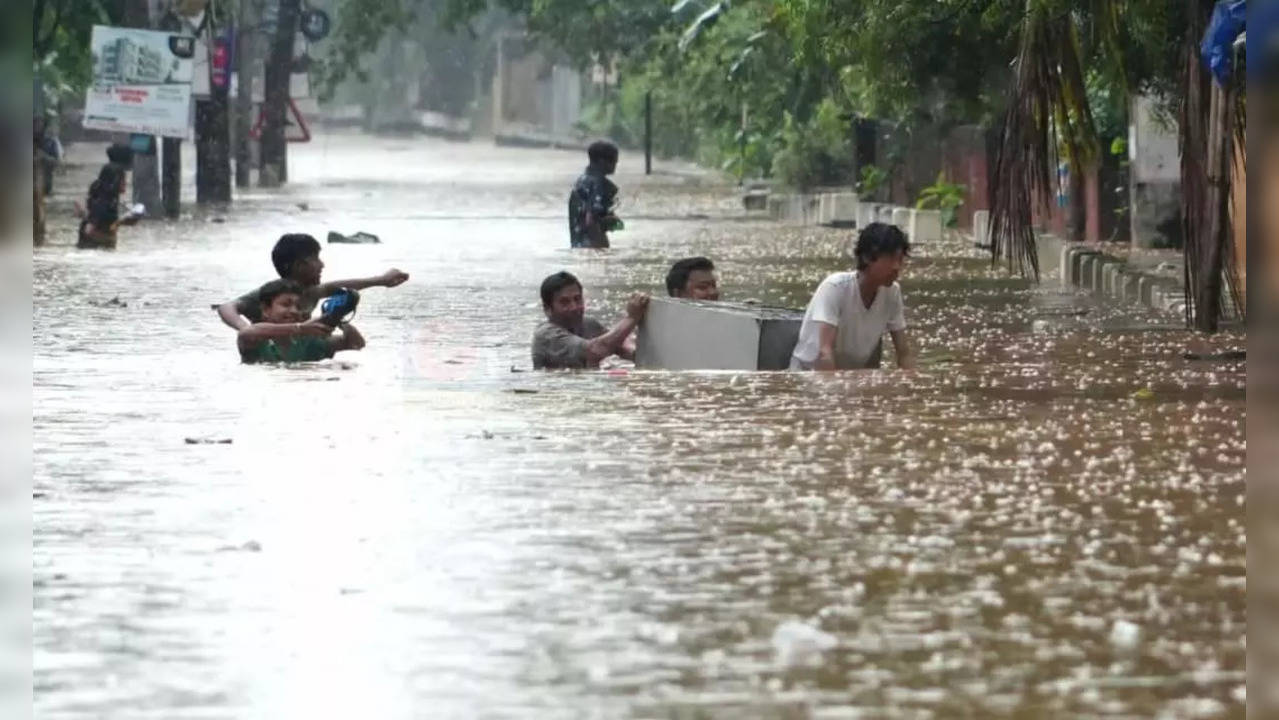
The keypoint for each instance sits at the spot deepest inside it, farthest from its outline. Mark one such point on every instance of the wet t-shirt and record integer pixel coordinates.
(303, 348)
(250, 304)
(594, 193)
(838, 302)
(559, 348)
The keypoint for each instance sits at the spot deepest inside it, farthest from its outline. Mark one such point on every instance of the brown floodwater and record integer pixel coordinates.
(1046, 519)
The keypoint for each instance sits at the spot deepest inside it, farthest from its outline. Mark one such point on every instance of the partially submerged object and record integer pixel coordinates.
(700, 335)
(359, 238)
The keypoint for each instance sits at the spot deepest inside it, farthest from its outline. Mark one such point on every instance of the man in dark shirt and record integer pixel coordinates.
(571, 340)
(590, 204)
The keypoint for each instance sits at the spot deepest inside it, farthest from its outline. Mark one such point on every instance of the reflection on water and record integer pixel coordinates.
(1045, 519)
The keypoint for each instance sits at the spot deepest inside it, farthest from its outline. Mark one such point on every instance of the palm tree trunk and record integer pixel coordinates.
(1210, 124)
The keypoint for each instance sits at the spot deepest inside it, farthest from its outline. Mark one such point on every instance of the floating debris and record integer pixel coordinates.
(358, 238)
(1226, 355)
(798, 644)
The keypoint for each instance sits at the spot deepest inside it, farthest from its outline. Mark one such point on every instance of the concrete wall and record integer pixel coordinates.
(1076, 265)
(967, 154)
(963, 153)
(534, 98)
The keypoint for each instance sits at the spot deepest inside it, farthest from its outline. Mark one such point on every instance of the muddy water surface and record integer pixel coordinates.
(1046, 519)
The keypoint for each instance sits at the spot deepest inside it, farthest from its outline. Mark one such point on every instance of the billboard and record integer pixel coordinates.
(141, 82)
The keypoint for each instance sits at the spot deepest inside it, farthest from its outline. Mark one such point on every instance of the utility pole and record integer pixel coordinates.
(146, 169)
(499, 86)
(212, 125)
(171, 148)
(648, 132)
(279, 68)
(246, 58)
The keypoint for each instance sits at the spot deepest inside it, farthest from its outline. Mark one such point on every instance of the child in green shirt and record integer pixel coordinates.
(285, 335)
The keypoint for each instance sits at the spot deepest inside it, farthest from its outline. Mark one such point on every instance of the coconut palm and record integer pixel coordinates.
(1049, 111)
(1049, 115)
(1213, 123)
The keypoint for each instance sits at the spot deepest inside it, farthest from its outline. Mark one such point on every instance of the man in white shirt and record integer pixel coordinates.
(850, 311)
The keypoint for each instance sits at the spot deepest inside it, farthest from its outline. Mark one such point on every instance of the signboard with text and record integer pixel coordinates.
(141, 82)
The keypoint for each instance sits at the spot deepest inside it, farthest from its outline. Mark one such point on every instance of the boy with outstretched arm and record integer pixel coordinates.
(296, 257)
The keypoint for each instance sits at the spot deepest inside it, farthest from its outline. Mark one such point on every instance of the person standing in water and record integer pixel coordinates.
(846, 320)
(102, 209)
(590, 204)
(296, 257)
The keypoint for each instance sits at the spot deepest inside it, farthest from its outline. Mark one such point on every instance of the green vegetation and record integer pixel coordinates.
(944, 196)
(60, 44)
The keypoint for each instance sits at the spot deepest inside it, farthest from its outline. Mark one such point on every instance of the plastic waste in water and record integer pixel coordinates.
(798, 644)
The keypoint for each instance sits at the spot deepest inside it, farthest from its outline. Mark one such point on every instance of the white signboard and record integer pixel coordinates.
(141, 82)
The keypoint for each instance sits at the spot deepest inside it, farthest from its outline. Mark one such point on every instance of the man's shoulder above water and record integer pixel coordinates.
(593, 177)
(842, 278)
(558, 347)
(589, 328)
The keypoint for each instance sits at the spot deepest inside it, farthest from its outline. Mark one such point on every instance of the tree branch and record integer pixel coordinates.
(42, 47)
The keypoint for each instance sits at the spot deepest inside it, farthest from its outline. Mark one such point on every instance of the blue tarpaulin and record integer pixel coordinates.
(1229, 18)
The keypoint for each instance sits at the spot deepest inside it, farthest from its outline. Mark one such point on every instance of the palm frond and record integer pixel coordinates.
(1049, 108)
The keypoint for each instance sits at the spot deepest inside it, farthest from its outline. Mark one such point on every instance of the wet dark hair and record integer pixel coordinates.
(274, 289)
(677, 278)
(601, 151)
(291, 248)
(878, 239)
(121, 155)
(555, 283)
(107, 186)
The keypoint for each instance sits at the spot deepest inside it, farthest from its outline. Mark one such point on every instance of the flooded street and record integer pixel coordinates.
(1046, 519)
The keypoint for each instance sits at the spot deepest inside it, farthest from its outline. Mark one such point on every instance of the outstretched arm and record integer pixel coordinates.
(389, 279)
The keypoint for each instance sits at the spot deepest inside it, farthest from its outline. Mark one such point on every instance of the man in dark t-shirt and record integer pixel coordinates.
(590, 204)
(569, 339)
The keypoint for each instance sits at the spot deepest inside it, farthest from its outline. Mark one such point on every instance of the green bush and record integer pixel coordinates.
(942, 195)
(816, 152)
(873, 179)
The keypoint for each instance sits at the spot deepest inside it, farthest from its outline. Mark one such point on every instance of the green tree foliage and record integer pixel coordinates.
(358, 29)
(802, 68)
(895, 59)
(61, 30)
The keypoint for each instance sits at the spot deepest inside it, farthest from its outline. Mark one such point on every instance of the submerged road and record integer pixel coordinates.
(1046, 519)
